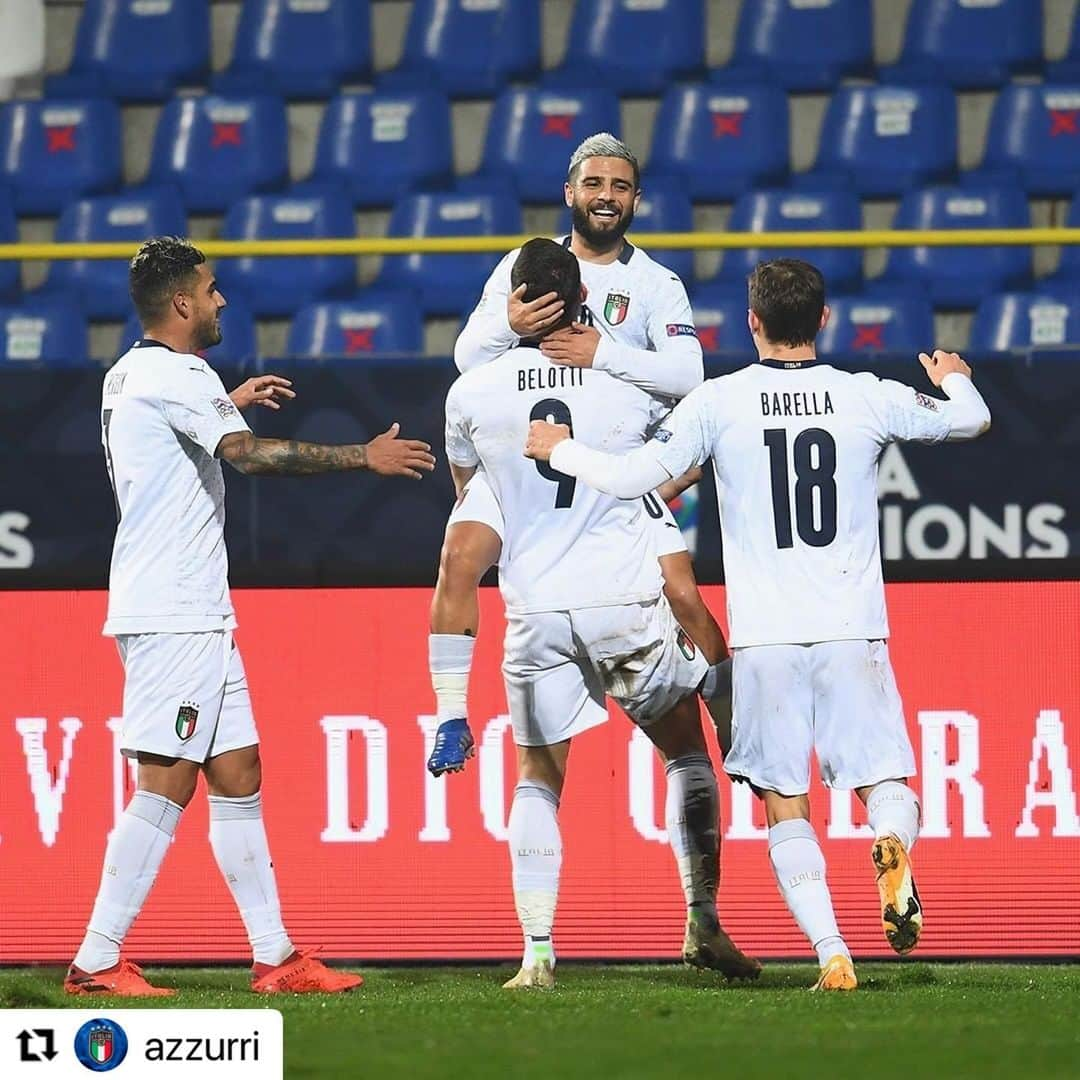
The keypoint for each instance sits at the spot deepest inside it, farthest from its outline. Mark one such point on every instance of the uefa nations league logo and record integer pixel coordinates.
(101, 1044)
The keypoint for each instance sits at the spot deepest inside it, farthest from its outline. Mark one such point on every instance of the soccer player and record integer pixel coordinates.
(586, 614)
(795, 445)
(166, 420)
(638, 327)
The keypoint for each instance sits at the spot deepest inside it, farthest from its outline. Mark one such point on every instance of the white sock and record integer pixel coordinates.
(132, 858)
(893, 808)
(692, 816)
(536, 858)
(799, 866)
(238, 837)
(450, 661)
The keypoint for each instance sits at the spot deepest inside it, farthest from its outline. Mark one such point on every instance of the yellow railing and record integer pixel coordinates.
(217, 249)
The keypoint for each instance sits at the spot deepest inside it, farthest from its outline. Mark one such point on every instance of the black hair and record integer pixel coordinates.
(788, 296)
(161, 266)
(545, 266)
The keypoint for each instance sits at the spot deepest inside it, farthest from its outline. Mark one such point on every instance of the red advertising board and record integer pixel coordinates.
(377, 860)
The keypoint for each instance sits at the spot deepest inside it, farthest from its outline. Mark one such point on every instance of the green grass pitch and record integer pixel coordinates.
(908, 1019)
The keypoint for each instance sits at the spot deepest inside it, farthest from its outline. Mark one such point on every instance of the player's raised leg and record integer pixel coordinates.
(133, 856)
(536, 859)
(471, 547)
(893, 812)
(862, 743)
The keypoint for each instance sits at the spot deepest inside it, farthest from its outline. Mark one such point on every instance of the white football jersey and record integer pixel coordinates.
(795, 451)
(163, 414)
(640, 308)
(566, 545)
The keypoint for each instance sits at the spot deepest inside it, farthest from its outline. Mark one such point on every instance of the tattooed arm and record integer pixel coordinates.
(385, 454)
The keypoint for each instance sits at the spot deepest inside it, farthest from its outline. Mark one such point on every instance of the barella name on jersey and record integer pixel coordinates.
(357, 759)
(798, 403)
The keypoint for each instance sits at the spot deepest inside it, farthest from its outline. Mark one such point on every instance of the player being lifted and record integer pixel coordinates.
(165, 421)
(637, 327)
(795, 445)
(586, 615)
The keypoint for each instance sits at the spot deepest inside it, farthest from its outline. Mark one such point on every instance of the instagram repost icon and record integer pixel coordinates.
(101, 1044)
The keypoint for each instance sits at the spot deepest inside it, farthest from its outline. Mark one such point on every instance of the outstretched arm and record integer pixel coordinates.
(626, 476)
(385, 454)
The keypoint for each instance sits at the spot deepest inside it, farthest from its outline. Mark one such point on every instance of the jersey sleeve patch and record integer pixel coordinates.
(681, 330)
(662, 435)
(927, 402)
(225, 408)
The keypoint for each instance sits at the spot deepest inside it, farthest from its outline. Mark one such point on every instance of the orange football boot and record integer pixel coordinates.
(124, 979)
(301, 973)
(837, 974)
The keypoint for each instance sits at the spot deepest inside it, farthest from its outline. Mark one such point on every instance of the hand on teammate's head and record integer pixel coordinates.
(527, 319)
(943, 363)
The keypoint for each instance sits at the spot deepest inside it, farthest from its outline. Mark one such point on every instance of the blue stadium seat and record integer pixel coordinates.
(1034, 139)
(800, 46)
(722, 141)
(1067, 69)
(446, 284)
(218, 149)
(664, 207)
(884, 140)
(237, 345)
(792, 211)
(299, 50)
(383, 146)
(970, 44)
(52, 151)
(532, 134)
(959, 277)
(374, 324)
(877, 325)
(633, 48)
(1046, 319)
(281, 286)
(134, 50)
(100, 286)
(43, 332)
(468, 48)
(720, 317)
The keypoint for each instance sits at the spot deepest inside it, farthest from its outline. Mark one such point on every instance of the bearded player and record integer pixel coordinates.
(585, 616)
(638, 327)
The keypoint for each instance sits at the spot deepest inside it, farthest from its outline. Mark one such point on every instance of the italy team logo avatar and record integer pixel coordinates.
(101, 1044)
(186, 718)
(615, 307)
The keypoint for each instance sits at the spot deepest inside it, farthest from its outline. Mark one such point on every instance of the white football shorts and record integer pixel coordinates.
(837, 699)
(185, 696)
(558, 665)
(478, 503)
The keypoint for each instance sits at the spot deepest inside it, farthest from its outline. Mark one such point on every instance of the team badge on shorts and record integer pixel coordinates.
(101, 1045)
(615, 307)
(686, 646)
(186, 718)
